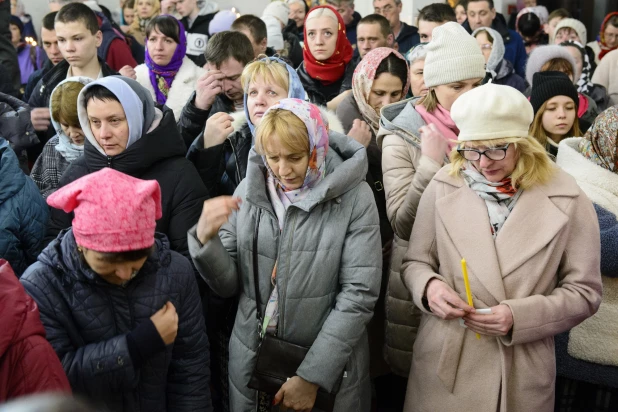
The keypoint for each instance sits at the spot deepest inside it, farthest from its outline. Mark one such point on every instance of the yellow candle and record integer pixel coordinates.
(464, 270)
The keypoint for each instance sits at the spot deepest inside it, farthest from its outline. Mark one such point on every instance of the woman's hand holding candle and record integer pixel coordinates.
(499, 323)
(444, 302)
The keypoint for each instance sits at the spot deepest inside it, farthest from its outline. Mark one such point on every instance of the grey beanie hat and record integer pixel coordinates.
(136, 102)
(542, 55)
(452, 56)
(497, 49)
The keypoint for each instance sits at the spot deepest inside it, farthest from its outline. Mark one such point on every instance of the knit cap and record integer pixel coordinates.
(492, 111)
(574, 24)
(546, 85)
(278, 9)
(114, 212)
(274, 35)
(542, 54)
(452, 56)
(221, 22)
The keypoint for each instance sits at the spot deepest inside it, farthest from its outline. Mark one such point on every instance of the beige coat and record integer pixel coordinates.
(606, 74)
(544, 264)
(406, 174)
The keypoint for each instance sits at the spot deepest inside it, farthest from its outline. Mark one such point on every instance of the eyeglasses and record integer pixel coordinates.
(494, 153)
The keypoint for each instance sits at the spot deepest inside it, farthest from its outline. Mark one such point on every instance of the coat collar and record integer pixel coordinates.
(465, 217)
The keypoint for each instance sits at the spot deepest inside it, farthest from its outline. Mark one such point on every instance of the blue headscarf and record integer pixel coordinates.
(295, 88)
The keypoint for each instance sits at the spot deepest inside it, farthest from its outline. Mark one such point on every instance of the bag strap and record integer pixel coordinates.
(256, 284)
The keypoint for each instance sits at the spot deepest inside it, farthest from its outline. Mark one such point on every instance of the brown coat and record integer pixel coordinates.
(544, 264)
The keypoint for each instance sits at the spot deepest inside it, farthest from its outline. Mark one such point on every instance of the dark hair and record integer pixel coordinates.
(129, 4)
(48, 21)
(99, 92)
(166, 25)
(128, 256)
(385, 26)
(437, 13)
(229, 44)
(562, 13)
(613, 21)
(395, 66)
(254, 24)
(462, 3)
(73, 12)
(490, 2)
(529, 24)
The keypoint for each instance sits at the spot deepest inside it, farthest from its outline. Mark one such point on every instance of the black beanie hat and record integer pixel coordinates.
(546, 85)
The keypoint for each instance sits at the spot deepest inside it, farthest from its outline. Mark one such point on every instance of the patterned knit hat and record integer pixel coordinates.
(546, 85)
(114, 212)
(452, 56)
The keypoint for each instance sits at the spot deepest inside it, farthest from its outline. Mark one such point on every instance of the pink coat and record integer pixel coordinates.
(544, 264)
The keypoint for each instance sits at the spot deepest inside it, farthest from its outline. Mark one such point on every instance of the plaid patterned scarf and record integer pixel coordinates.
(500, 197)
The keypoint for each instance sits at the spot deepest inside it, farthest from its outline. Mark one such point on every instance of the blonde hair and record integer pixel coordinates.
(538, 132)
(323, 12)
(533, 166)
(64, 103)
(135, 26)
(270, 71)
(430, 101)
(284, 126)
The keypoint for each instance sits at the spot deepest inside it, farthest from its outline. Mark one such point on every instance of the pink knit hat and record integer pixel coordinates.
(114, 212)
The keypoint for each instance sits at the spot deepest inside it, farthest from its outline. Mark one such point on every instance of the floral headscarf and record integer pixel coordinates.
(362, 81)
(599, 144)
(584, 84)
(332, 69)
(161, 77)
(317, 129)
(295, 88)
(601, 38)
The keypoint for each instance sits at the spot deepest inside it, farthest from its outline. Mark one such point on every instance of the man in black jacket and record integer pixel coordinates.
(219, 88)
(406, 36)
(78, 34)
(49, 40)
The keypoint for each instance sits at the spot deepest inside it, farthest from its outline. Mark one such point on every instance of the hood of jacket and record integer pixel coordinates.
(20, 315)
(161, 142)
(402, 119)
(15, 123)
(346, 167)
(599, 184)
(12, 179)
(62, 255)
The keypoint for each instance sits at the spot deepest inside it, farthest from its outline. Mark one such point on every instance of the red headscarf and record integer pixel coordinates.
(601, 39)
(332, 69)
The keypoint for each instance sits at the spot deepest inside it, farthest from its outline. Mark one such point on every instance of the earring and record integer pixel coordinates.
(79, 249)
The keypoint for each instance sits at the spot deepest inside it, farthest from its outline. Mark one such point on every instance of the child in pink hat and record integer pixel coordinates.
(120, 308)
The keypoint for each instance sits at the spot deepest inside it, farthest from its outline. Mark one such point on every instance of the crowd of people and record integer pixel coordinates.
(307, 210)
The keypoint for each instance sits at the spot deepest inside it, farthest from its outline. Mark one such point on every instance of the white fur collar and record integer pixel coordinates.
(599, 184)
(182, 86)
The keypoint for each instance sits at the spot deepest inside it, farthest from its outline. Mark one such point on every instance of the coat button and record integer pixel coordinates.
(120, 361)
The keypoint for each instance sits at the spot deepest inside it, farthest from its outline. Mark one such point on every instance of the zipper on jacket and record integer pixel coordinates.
(281, 291)
(109, 161)
(238, 179)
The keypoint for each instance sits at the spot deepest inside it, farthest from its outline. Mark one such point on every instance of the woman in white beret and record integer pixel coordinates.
(531, 241)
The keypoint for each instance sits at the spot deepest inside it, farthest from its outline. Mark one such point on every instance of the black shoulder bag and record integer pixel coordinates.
(278, 360)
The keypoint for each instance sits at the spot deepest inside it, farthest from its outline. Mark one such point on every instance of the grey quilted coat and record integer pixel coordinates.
(87, 321)
(328, 275)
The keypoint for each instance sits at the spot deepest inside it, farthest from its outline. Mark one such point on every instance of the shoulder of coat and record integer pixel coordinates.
(561, 184)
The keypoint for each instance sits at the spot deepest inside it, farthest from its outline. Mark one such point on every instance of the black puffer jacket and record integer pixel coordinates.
(222, 167)
(87, 321)
(158, 155)
(320, 94)
(193, 120)
(16, 127)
